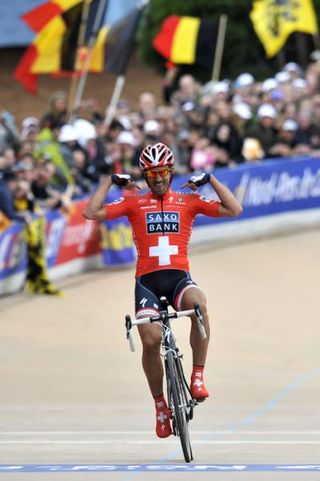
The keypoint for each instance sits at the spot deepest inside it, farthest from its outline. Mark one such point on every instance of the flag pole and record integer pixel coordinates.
(80, 43)
(84, 72)
(110, 110)
(219, 47)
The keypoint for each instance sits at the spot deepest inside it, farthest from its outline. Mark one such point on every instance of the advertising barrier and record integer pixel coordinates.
(270, 187)
(74, 244)
(276, 195)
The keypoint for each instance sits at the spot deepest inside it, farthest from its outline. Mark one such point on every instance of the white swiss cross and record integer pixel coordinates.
(161, 417)
(198, 383)
(163, 250)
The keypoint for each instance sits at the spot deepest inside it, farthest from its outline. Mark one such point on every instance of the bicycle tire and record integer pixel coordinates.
(178, 405)
(185, 388)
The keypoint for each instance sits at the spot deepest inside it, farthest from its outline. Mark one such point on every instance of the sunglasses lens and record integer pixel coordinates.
(153, 173)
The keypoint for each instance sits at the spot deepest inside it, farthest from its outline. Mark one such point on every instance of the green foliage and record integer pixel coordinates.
(243, 51)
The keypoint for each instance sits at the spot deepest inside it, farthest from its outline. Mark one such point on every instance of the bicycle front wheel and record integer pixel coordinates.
(178, 405)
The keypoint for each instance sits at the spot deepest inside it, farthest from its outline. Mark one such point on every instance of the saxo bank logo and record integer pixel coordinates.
(168, 222)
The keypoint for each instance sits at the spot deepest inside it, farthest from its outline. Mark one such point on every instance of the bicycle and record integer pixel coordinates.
(180, 401)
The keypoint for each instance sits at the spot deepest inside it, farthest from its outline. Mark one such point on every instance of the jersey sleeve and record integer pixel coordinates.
(117, 208)
(206, 206)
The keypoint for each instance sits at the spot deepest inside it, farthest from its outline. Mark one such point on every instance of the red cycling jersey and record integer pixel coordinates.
(162, 226)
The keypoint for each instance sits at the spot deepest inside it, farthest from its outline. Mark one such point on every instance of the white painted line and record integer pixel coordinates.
(148, 441)
(226, 432)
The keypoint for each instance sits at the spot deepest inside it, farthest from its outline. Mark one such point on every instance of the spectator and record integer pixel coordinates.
(93, 145)
(49, 147)
(83, 178)
(10, 156)
(152, 131)
(147, 106)
(26, 147)
(195, 115)
(214, 92)
(57, 112)
(212, 123)
(315, 109)
(68, 139)
(252, 150)
(43, 188)
(25, 168)
(307, 133)
(264, 129)
(285, 141)
(202, 158)
(128, 157)
(30, 129)
(3, 164)
(188, 91)
(293, 69)
(226, 138)
(37, 279)
(224, 110)
(244, 88)
(8, 187)
(114, 130)
(242, 114)
(9, 137)
(182, 150)
(169, 82)
(23, 198)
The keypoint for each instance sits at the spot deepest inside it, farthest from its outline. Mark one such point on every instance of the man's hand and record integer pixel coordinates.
(124, 180)
(196, 181)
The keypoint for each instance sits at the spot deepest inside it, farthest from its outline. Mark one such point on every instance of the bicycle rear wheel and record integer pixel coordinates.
(178, 404)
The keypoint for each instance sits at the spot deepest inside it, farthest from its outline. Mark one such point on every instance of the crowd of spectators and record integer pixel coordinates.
(48, 161)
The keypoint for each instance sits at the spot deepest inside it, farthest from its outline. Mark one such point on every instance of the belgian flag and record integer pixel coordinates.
(187, 40)
(54, 48)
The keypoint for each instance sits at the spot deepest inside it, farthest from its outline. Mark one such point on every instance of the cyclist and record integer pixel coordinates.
(161, 221)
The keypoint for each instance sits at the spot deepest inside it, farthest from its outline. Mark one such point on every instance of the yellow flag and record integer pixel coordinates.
(275, 20)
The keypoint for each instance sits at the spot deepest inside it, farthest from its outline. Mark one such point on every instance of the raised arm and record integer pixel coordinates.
(94, 210)
(229, 206)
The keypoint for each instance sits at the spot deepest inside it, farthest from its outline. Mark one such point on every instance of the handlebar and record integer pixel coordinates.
(162, 317)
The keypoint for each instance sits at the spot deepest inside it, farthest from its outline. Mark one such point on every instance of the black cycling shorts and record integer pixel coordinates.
(171, 283)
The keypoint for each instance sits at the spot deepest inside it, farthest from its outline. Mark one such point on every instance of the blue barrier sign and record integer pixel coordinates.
(269, 187)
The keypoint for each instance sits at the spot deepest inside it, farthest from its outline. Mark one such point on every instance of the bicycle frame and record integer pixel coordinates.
(169, 346)
(180, 400)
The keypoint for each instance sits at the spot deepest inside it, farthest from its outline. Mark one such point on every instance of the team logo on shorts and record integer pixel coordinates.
(168, 222)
